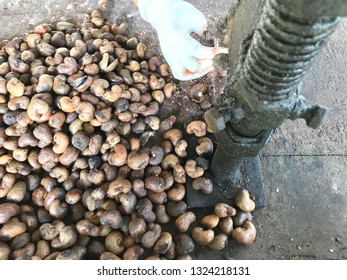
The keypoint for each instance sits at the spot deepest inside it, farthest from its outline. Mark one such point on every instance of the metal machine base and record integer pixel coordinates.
(250, 178)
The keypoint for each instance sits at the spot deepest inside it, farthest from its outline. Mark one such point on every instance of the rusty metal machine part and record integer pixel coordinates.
(264, 90)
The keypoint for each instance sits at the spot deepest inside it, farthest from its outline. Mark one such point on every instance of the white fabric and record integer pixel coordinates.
(174, 21)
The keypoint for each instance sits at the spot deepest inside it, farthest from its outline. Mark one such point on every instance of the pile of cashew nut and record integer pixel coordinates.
(77, 106)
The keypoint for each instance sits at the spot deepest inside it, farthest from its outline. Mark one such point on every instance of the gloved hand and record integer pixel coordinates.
(174, 21)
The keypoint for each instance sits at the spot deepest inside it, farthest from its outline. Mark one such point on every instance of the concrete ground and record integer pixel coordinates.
(304, 170)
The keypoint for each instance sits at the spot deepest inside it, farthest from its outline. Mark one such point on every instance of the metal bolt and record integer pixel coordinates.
(214, 120)
(314, 116)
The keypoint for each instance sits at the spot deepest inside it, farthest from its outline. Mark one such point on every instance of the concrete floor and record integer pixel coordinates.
(304, 170)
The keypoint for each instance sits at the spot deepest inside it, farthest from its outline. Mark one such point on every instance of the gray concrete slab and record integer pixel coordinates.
(306, 215)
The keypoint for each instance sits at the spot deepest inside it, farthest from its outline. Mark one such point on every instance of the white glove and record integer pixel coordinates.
(174, 20)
